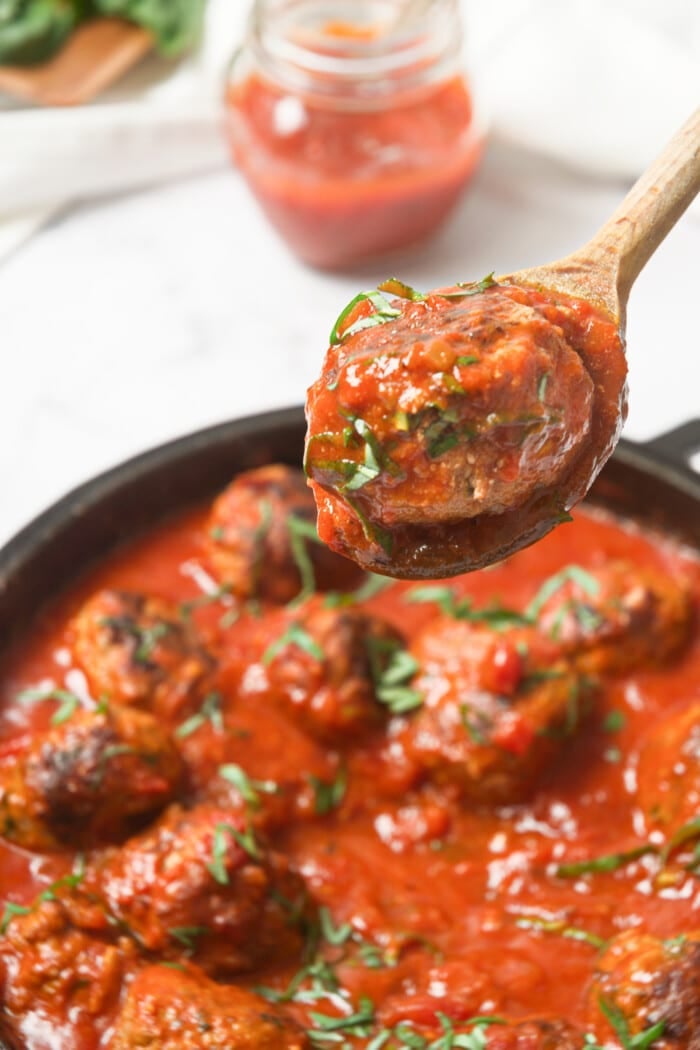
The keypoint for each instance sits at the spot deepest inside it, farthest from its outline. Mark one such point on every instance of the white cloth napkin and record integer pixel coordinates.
(596, 84)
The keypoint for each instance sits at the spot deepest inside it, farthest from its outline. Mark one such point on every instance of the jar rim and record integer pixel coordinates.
(384, 57)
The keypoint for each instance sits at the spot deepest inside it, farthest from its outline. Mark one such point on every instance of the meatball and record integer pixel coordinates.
(497, 706)
(475, 402)
(327, 669)
(614, 619)
(668, 775)
(137, 650)
(201, 881)
(643, 982)
(93, 779)
(168, 1009)
(261, 538)
(47, 962)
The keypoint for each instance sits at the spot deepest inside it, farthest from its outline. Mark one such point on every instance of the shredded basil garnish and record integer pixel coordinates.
(210, 711)
(328, 795)
(383, 312)
(294, 635)
(559, 927)
(570, 574)
(468, 288)
(618, 1021)
(249, 789)
(609, 862)
(68, 702)
(393, 668)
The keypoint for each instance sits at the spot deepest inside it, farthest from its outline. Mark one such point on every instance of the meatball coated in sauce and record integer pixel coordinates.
(183, 1009)
(497, 707)
(649, 982)
(48, 964)
(258, 538)
(668, 774)
(451, 429)
(480, 400)
(203, 871)
(327, 672)
(137, 650)
(91, 780)
(617, 618)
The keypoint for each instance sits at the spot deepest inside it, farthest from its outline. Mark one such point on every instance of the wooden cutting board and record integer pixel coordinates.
(95, 56)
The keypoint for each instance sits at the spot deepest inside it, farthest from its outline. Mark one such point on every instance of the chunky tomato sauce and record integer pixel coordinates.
(434, 903)
(342, 185)
(448, 429)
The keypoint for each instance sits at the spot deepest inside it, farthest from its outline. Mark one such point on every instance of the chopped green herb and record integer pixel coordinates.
(618, 1022)
(559, 927)
(250, 790)
(68, 702)
(542, 387)
(301, 532)
(393, 668)
(571, 574)
(335, 935)
(610, 862)
(210, 711)
(358, 1023)
(451, 384)
(393, 286)
(329, 795)
(686, 833)
(478, 727)
(467, 359)
(372, 532)
(467, 288)
(11, 911)
(188, 936)
(496, 616)
(245, 840)
(69, 882)
(614, 721)
(202, 600)
(383, 312)
(294, 635)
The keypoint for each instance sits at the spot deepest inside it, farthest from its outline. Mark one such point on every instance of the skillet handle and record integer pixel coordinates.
(679, 445)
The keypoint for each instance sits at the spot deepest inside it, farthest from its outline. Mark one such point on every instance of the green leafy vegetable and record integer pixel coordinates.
(495, 615)
(559, 927)
(618, 1021)
(383, 312)
(210, 711)
(188, 936)
(249, 789)
(393, 668)
(31, 31)
(329, 795)
(302, 532)
(468, 288)
(11, 911)
(294, 635)
(614, 721)
(394, 286)
(68, 702)
(607, 863)
(174, 24)
(570, 574)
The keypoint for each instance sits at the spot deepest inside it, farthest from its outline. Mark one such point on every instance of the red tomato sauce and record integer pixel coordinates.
(342, 186)
(457, 882)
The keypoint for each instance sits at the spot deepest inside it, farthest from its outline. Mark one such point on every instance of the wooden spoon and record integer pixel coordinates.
(96, 55)
(463, 483)
(604, 270)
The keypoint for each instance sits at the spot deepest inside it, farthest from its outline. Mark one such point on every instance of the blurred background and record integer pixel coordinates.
(190, 192)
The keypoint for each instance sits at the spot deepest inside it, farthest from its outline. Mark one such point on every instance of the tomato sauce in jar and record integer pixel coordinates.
(356, 139)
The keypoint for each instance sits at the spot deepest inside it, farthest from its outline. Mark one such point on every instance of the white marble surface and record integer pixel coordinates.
(138, 319)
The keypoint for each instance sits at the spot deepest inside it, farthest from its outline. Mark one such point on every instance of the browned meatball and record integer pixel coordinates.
(325, 667)
(93, 779)
(644, 982)
(618, 617)
(137, 650)
(668, 775)
(200, 881)
(47, 963)
(497, 706)
(183, 1009)
(259, 540)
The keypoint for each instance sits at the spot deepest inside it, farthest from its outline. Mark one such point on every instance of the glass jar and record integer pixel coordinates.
(354, 127)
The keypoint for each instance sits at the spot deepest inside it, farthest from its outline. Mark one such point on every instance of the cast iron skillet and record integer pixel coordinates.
(651, 483)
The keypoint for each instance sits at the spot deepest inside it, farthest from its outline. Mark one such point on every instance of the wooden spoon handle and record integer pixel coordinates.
(626, 242)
